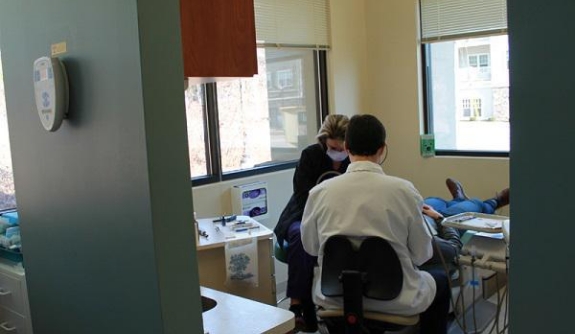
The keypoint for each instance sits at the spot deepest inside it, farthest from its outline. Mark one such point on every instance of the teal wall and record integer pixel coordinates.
(542, 92)
(105, 202)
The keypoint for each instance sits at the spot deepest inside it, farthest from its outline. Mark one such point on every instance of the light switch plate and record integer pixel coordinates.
(427, 145)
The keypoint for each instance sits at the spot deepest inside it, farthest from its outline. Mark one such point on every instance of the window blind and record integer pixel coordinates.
(451, 19)
(293, 23)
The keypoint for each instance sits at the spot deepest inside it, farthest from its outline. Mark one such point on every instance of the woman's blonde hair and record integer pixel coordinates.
(333, 127)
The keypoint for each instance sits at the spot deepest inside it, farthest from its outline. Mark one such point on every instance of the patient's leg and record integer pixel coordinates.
(437, 203)
(457, 206)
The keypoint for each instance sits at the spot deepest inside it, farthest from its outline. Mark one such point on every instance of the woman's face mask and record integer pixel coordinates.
(336, 155)
(335, 149)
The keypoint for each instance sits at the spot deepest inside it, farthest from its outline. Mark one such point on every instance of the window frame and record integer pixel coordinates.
(427, 99)
(212, 138)
(13, 203)
(440, 20)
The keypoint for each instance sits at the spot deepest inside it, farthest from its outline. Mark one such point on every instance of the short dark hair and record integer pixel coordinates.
(365, 135)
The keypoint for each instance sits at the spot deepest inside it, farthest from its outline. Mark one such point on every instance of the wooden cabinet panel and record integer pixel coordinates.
(213, 274)
(218, 38)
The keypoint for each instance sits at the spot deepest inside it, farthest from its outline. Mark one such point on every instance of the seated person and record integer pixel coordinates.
(318, 162)
(364, 201)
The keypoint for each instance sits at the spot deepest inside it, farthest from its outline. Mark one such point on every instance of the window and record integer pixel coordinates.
(7, 196)
(471, 108)
(285, 78)
(478, 66)
(246, 126)
(483, 61)
(261, 122)
(196, 120)
(473, 60)
(466, 76)
(478, 60)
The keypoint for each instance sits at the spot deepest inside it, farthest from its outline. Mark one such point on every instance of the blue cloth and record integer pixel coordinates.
(300, 266)
(457, 206)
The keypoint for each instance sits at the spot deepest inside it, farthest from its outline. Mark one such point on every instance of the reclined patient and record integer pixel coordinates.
(436, 209)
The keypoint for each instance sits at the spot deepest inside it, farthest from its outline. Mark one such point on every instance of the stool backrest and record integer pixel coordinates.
(375, 258)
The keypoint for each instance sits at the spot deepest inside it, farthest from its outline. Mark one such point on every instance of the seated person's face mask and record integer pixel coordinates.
(335, 150)
(336, 155)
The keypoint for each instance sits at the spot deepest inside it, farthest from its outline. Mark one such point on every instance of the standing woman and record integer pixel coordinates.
(318, 162)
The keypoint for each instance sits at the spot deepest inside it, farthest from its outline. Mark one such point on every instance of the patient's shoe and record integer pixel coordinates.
(502, 198)
(455, 188)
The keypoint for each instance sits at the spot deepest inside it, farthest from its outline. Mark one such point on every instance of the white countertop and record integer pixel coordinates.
(238, 315)
(218, 235)
(16, 268)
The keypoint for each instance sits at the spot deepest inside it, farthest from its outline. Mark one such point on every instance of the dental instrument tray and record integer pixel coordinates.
(476, 222)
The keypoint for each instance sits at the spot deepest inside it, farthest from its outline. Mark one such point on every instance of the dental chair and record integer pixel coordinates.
(370, 270)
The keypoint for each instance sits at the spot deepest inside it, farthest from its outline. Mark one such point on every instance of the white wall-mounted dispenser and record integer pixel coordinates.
(251, 200)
